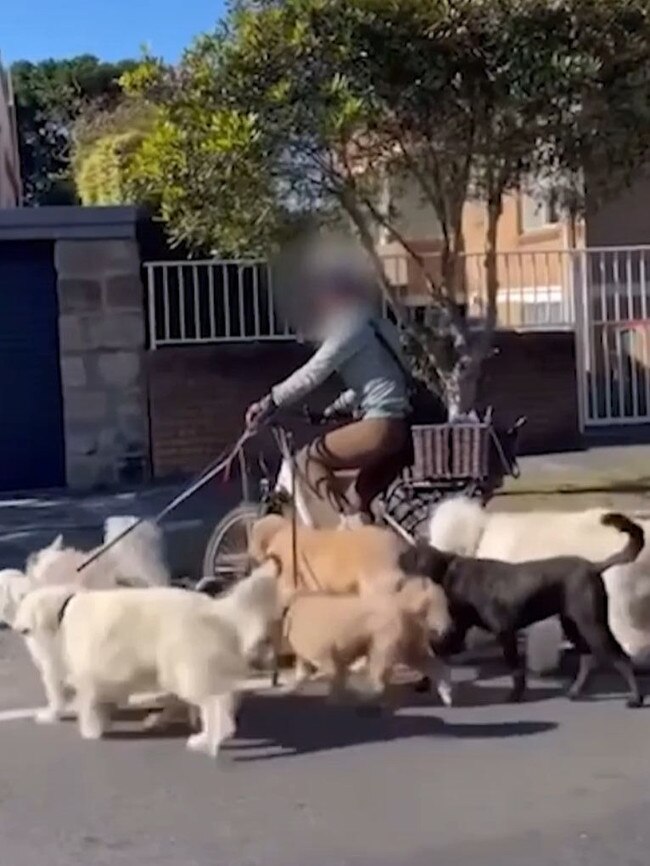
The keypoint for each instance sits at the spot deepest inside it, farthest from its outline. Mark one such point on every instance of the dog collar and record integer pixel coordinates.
(63, 608)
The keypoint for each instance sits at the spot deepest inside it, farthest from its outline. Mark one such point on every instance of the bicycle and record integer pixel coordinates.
(470, 458)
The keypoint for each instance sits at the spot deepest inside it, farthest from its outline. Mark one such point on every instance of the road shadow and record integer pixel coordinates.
(604, 684)
(478, 694)
(294, 725)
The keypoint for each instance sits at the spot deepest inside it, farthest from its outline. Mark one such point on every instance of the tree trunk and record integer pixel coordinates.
(461, 388)
(461, 385)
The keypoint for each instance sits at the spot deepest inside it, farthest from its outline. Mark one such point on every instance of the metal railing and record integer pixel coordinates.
(603, 294)
(228, 301)
(535, 288)
(213, 301)
(613, 335)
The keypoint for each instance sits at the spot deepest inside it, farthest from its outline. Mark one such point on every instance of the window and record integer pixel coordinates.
(538, 209)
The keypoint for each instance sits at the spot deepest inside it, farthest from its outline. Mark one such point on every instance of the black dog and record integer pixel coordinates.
(502, 598)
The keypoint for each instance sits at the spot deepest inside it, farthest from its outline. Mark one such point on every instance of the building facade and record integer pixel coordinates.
(10, 184)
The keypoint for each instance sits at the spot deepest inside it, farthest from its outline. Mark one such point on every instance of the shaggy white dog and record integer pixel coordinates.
(136, 560)
(14, 586)
(461, 526)
(113, 643)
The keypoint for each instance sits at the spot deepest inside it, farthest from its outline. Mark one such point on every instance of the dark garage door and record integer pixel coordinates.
(31, 420)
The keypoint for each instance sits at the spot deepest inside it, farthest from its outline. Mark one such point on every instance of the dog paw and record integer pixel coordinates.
(200, 743)
(48, 716)
(446, 693)
(91, 733)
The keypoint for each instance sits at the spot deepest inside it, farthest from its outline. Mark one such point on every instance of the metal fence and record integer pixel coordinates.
(212, 302)
(234, 301)
(601, 294)
(612, 294)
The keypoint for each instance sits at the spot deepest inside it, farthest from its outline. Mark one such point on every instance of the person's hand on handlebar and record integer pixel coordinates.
(259, 412)
(314, 418)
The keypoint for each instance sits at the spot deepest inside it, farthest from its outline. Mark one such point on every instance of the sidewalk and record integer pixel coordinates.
(617, 475)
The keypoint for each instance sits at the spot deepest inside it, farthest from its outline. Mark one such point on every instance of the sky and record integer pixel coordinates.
(110, 29)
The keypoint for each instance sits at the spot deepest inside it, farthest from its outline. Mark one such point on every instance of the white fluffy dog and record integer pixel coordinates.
(136, 560)
(110, 644)
(461, 526)
(14, 586)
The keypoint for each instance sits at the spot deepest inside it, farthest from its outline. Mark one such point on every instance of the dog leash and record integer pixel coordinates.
(221, 464)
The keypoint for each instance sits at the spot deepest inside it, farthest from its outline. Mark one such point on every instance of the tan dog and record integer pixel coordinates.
(332, 631)
(328, 560)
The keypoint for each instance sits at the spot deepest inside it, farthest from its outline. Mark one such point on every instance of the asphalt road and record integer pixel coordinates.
(307, 784)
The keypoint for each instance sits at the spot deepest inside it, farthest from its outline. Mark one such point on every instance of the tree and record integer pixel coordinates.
(104, 147)
(306, 105)
(50, 96)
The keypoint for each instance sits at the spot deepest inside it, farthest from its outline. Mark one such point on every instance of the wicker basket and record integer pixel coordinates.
(449, 451)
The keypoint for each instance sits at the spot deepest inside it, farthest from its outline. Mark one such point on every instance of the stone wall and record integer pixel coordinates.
(102, 338)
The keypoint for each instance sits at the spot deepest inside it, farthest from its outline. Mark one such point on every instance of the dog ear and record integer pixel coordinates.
(57, 544)
(420, 559)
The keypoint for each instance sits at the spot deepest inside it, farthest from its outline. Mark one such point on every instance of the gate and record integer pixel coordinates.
(31, 426)
(613, 334)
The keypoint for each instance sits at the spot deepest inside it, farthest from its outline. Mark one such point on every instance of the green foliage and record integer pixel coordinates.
(303, 103)
(105, 145)
(50, 96)
(304, 106)
(102, 176)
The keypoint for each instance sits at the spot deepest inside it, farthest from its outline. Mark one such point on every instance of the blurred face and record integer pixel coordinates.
(331, 299)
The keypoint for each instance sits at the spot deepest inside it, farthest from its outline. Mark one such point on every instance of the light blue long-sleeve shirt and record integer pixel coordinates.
(375, 384)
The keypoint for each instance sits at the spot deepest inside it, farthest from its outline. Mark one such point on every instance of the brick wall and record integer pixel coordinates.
(198, 394)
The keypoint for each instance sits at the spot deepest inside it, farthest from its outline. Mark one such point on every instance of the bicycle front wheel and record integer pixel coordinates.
(226, 556)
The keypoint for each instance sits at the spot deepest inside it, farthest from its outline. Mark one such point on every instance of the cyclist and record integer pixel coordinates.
(364, 349)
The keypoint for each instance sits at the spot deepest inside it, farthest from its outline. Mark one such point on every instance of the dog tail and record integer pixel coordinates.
(635, 543)
(457, 526)
(140, 555)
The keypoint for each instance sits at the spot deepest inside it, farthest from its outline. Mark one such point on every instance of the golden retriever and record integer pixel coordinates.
(328, 560)
(331, 631)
